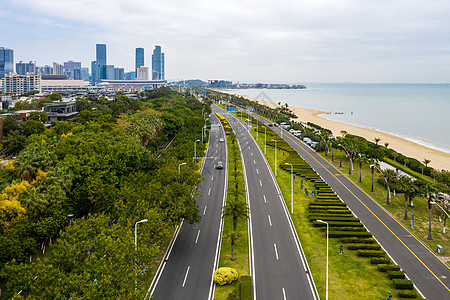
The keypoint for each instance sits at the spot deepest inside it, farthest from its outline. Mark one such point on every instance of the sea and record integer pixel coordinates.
(416, 112)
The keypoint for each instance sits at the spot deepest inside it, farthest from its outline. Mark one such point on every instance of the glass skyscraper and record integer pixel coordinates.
(6, 61)
(139, 58)
(158, 64)
(101, 54)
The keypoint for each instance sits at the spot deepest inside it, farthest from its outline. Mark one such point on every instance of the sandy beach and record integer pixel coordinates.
(439, 160)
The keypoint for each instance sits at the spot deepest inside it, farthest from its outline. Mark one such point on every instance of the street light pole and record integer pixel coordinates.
(265, 138)
(275, 156)
(292, 187)
(179, 167)
(257, 126)
(195, 150)
(135, 247)
(326, 295)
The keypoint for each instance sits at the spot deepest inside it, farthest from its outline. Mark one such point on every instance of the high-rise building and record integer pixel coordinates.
(70, 66)
(130, 75)
(6, 61)
(22, 68)
(139, 58)
(158, 64)
(45, 70)
(58, 69)
(21, 84)
(101, 54)
(95, 72)
(109, 72)
(85, 72)
(77, 74)
(142, 73)
(119, 74)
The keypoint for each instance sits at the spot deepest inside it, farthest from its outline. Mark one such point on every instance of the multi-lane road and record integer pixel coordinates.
(430, 275)
(192, 257)
(278, 265)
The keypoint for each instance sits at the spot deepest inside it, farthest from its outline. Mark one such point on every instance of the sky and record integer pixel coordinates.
(283, 41)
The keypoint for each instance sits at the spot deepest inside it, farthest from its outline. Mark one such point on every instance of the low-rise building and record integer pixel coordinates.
(61, 111)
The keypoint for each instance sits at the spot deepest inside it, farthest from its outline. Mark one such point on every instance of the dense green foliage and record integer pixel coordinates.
(246, 288)
(85, 184)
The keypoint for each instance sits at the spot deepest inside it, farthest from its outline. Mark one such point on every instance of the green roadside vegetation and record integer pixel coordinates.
(350, 276)
(397, 205)
(84, 185)
(235, 192)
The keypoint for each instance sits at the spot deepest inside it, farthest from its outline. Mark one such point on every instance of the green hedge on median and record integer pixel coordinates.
(403, 284)
(370, 253)
(380, 260)
(407, 294)
(396, 274)
(339, 234)
(354, 240)
(388, 267)
(246, 288)
(359, 246)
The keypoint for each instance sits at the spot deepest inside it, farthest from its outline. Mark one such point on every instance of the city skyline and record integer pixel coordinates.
(290, 41)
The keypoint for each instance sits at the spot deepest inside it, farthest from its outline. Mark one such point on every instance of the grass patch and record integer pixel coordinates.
(241, 251)
(350, 276)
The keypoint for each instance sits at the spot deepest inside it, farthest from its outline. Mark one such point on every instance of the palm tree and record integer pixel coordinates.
(429, 192)
(360, 159)
(426, 162)
(405, 162)
(333, 143)
(389, 176)
(344, 133)
(377, 140)
(386, 144)
(236, 208)
(232, 236)
(407, 186)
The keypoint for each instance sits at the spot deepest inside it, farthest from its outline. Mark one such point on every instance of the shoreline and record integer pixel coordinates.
(439, 160)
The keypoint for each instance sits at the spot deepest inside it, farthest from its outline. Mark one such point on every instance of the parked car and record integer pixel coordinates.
(219, 165)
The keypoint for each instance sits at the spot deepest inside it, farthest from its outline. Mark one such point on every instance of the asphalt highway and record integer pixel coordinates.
(278, 265)
(429, 274)
(192, 257)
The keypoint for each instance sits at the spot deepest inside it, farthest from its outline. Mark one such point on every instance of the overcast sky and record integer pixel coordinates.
(242, 40)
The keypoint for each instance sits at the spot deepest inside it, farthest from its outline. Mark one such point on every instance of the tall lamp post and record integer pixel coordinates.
(275, 156)
(179, 167)
(257, 126)
(265, 139)
(433, 202)
(195, 150)
(135, 245)
(326, 295)
(292, 187)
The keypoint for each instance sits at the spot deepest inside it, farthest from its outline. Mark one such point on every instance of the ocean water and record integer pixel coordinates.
(417, 112)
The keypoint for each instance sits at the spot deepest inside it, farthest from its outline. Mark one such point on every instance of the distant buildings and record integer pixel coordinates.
(158, 64)
(45, 70)
(101, 54)
(6, 61)
(139, 58)
(58, 69)
(142, 73)
(73, 69)
(21, 84)
(23, 68)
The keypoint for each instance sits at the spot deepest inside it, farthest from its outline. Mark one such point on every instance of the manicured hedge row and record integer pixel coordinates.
(331, 211)
(371, 253)
(332, 218)
(359, 246)
(327, 203)
(388, 267)
(354, 240)
(339, 234)
(359, 229)
(380, 260)
(407, 294)
(338, 224)
(246, 288)
(396, 274)
(403, 284)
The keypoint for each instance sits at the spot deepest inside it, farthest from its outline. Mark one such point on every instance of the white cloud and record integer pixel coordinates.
(248, 40)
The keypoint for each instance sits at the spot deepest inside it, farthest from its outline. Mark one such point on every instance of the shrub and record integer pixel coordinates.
(380, 260)
(360, 246)
(246, 288)
(407, 294)
(396, 274)
(388, 267)
(370, 253)
(354, 240)
(339, 234)
(225, 275)
(403, 284)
